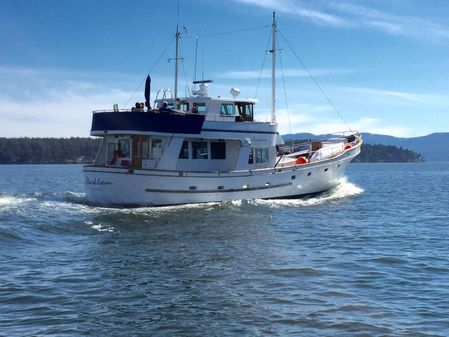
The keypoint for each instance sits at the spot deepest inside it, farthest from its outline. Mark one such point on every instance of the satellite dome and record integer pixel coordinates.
(234, 92)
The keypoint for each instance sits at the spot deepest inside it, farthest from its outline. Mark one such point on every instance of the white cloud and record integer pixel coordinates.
(376, 125)
(347, 14)
(393, 24)
(400, 96)
(297, 8)
(64, 115)
(56, 103)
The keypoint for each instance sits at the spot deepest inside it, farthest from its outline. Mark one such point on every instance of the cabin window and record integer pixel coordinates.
(227, 109)
(258, 155)
(199, 108)
(111, 149)
(218, 150)
(262, 155)
(184, 153)
(123, 148)
(156, 148)
(145, 149)
(183, 106)
(199, 150)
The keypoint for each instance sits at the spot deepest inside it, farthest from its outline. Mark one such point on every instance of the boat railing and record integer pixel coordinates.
(301, 151)
(111, 110)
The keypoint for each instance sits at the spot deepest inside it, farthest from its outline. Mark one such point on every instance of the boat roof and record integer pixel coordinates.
(206, 98)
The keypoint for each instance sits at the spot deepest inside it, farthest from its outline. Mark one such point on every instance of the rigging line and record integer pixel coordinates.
(184, 71)
(233, 31)
(285, 94)
(263, 64)
(149, 72)
(315, 81)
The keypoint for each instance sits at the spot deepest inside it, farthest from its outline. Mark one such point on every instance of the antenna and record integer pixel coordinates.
(202, 64)
(196, 60)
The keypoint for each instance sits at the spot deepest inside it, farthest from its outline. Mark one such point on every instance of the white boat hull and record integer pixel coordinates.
(123, 187)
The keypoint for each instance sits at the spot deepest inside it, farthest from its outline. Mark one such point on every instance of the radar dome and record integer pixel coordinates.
(234, 92)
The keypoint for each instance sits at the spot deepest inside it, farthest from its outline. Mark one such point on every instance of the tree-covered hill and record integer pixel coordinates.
(47, 150)
(83, 150)
(386, 154)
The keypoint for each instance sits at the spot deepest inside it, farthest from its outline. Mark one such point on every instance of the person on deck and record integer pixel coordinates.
(164, 108)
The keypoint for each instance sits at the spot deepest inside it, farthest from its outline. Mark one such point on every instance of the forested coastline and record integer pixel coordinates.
(83, 150)
(48, 150)
(387, 154)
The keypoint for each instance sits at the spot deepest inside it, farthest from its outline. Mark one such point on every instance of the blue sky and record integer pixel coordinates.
(384, 64)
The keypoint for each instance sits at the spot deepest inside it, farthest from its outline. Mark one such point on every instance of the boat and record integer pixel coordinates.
(200, 149)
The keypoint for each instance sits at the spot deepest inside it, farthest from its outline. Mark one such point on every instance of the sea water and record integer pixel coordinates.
(368, 258)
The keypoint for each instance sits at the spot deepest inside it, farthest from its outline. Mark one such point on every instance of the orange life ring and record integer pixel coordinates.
(347, 147)
(301, 160)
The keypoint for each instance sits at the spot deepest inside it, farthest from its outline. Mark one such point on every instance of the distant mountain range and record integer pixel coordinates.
(433, 147)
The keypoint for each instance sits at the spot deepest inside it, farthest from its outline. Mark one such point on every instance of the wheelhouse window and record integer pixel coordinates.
(199, 150)
(123, 148)
(245, 111)
(227, 109)
(218, 150)
(184, 153)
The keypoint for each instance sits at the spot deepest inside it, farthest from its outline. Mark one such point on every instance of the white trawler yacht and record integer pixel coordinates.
(202, 149)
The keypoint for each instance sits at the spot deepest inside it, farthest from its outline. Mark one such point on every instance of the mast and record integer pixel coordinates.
(177, 58)
(176, 61)
(196, 59)
(273, 70)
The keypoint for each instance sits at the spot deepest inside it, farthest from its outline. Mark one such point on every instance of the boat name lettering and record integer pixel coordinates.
(258, 139)
(97, 181)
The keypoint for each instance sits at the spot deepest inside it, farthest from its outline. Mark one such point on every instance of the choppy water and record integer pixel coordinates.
(369, 258)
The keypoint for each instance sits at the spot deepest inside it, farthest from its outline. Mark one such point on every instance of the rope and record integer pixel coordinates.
(316, 82)
(263, 64)
(285, 94)
(233, 31)
(185, 74)
(149, 72)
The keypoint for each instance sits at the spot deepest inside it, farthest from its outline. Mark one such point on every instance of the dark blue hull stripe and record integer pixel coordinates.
(147, 121)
